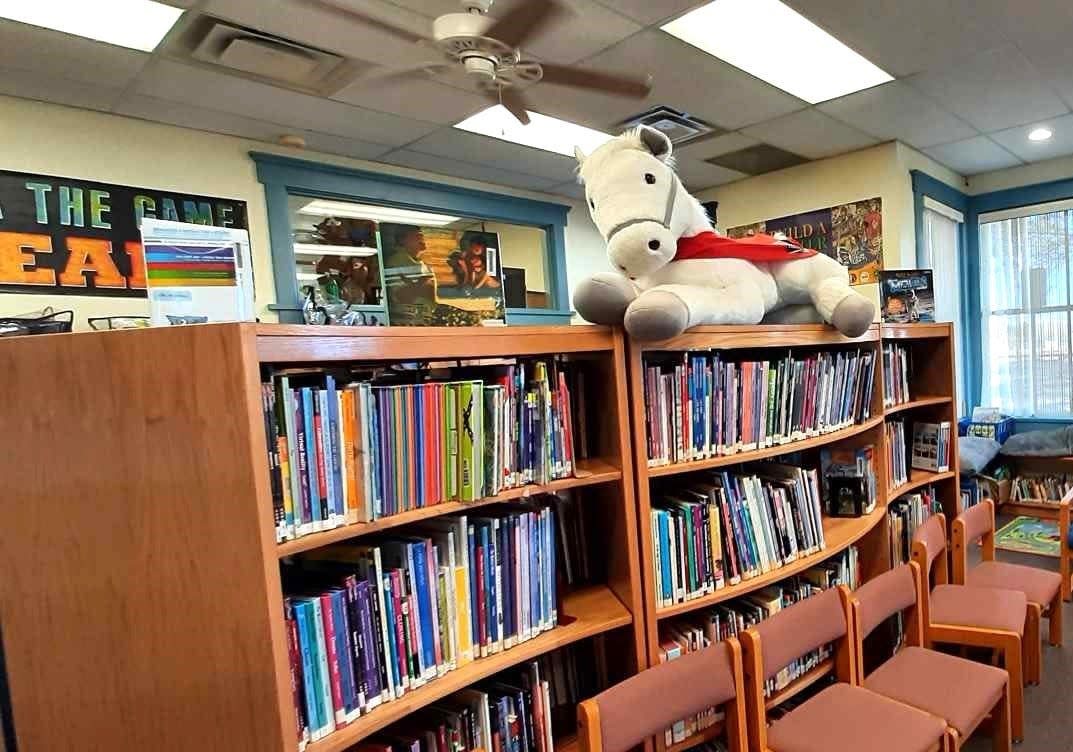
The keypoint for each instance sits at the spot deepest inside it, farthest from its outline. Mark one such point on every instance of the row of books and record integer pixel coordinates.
(849, 480)
(971, 492)
(702, 405)
(931, 446)
(345, 450)
(897, 368)
(906, 514)
(727, 527)
(897, 454)
(520, 710)
(1050, 487)
(367, 623)
(709, 626)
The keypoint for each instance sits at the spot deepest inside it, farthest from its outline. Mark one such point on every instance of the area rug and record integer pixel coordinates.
(1029, 536)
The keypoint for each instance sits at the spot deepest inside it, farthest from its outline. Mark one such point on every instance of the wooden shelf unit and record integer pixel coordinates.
(932, 389)
(141, 570)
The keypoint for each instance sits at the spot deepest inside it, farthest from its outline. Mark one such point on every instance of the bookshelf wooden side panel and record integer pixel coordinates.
(136, 599)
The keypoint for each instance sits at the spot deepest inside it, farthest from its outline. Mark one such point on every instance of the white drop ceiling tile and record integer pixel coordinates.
(418, 98)
(1052, 56)
(994, 89)
(904, 37)
(811, 134)
(346, 147)
(683, 77)
(584, 30)
(707, 148)
(53, 53)
(311, 24)
(1059, 145)
(1027, 22)
(573, 189)
(973, 156)
(31, 85)
(454, 168)
(492, 152)
(216, 91)
(897, 111)
(647, 13)
(696, 175)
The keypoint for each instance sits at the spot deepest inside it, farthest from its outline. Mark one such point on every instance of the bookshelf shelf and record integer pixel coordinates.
(760, 454)
(706, 735)
(800, 684)
(918, 478)
(915, 331)
(595, 610)
(918, 402)
(178, 501)
(1044, 510)
(839, 532)
(765, 336)
(589, 472)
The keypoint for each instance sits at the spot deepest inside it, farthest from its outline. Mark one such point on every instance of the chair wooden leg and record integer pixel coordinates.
(950, 740)
(1030, 645)
(1054, 621)
(1014, 667)
(1000, 723)
(1064, 570)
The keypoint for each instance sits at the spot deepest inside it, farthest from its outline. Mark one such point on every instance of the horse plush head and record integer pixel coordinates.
(637, 201)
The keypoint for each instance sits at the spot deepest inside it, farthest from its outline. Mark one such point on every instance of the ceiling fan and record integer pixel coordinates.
(490, 50)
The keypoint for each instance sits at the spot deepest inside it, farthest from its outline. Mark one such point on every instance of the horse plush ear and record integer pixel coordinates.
(656, 142)
(579, 155)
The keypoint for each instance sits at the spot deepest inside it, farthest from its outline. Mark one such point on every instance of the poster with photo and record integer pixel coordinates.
(850, 233)
(442, 277)
(907, 296)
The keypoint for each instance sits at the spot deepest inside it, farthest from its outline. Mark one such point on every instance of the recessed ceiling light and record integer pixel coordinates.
(323, 208)
(1040, 134)
(777, 44)
(137, 24)
(543, 132)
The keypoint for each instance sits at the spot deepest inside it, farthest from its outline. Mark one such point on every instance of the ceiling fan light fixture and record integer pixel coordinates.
(542, 132)
(775, 43)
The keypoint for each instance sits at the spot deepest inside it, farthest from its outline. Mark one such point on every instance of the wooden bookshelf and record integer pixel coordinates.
(141, 570)
(915, 403)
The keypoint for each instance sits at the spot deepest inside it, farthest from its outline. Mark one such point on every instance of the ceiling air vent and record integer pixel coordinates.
(679, 127)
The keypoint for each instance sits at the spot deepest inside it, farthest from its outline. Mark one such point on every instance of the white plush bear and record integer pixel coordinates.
(675, 272)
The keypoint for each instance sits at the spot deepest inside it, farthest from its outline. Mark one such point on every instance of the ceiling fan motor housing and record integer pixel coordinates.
(461, 36)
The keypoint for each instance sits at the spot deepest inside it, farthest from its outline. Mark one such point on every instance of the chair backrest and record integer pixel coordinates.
(975, 523)
(626, 714)
(802, 627)
(896, 591)
(929, 541)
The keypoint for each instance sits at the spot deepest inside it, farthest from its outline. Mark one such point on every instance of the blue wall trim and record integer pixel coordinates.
(971, 307)
(282, 176)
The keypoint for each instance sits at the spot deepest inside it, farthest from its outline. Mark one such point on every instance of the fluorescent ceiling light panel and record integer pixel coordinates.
(543, 132)
(137, 24)
(778, 45)
(323, 208)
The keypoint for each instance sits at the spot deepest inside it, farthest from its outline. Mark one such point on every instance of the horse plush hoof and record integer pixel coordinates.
(604, 298)
(656, 315)
(853, 315)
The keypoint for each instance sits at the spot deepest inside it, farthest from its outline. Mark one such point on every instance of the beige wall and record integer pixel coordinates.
(67, 142)
(1015, 177)
(521, 246)
(877, 171)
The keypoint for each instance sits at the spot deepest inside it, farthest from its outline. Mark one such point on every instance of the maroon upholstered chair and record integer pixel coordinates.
(961, 692)
(625, 715)
(842, 716)
(1042, 588)
(975, 617)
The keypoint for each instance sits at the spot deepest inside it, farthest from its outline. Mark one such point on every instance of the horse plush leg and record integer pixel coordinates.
(825, 282)
(667, 310)
(603, 298)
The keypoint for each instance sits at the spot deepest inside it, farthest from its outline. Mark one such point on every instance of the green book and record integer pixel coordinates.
(470, 445)
(451, 460)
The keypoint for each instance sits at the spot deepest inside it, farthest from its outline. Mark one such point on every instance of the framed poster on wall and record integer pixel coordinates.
(78, 237)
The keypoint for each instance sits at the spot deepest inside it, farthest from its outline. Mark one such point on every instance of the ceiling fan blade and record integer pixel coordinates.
(513, 101)
(526, 21)
(353, 14)
(579, 78)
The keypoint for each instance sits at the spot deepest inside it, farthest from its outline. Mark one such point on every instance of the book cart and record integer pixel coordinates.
(869, 533)
(141, 603)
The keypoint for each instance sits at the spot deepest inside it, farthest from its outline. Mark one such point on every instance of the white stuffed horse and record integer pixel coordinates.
(675, 272)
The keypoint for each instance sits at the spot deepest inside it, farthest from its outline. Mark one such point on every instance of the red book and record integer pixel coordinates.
(482, 617)
(318, 443)
(333, 659)
(395, 578)
(297, 686)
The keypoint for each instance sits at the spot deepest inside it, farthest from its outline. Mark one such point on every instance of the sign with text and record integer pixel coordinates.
(852, 234)
(76, 237)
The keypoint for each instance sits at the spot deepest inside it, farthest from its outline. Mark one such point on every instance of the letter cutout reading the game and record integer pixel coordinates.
(17, 263)
(136, 281)
(91, 255)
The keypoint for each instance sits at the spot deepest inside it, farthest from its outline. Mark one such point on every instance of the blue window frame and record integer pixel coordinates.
(283, 176)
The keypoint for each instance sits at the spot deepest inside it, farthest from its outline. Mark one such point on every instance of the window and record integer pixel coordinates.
(940, 252)
(1026, 313)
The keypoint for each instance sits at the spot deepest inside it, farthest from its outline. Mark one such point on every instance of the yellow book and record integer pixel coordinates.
(465, 638)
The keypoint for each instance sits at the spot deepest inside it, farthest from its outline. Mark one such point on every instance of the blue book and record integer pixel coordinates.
(423, 596)
(747, 524)
(534, 573)
(491, 551)
(303, 611)
(336, 476)
(666, 582)
(344, 652)
(330, 453)
(315, 500)
(553, 603)
(371, 657)
(506, 552)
